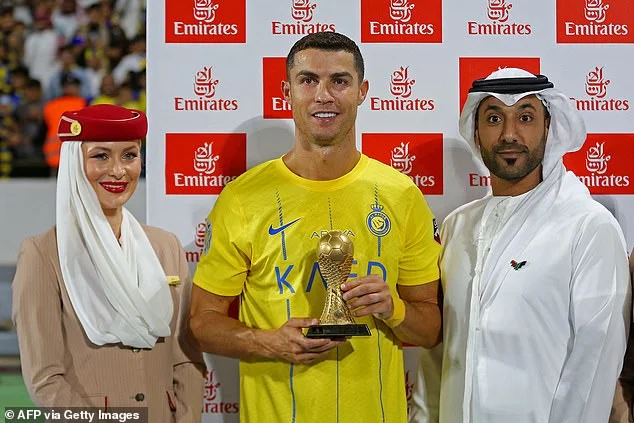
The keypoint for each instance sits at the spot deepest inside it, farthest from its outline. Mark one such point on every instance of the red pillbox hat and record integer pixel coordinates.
(102, 122)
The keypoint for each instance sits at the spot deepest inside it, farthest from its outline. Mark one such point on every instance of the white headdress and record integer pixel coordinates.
(567, 131)
(118, 291)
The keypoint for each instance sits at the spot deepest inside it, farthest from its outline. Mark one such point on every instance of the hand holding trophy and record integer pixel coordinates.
(335, 254)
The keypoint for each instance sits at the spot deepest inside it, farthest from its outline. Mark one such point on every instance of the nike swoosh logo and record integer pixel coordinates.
(275, 231)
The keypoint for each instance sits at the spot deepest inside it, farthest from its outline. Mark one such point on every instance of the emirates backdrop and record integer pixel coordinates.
(215, 106)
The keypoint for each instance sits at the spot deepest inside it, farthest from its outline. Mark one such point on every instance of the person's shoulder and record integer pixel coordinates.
(165, 243)
(255, 176)
(387, 170)
(585, 217)
(593, 213)
(575, 202)
(36, 248)
(466, 209)
(157, 235)
(388, 176)
(44, 241)
(578, 205)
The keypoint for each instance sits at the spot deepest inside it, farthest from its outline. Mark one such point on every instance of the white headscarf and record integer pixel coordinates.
(119, 291)
(567, 130)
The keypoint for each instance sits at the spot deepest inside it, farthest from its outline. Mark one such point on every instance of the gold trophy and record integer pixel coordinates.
(335, 253)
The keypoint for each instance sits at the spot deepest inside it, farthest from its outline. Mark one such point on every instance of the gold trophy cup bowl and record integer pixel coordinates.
(335, 254)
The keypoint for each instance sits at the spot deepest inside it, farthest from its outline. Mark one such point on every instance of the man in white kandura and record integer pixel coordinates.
(535, 276)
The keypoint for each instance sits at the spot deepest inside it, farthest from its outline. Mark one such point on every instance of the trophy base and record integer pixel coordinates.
(337, 331)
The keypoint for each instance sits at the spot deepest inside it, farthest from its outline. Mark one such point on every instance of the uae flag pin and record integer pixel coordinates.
(517, 265)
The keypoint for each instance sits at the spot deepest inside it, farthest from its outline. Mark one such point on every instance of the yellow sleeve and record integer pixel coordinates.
(419, 262)
(226, 258)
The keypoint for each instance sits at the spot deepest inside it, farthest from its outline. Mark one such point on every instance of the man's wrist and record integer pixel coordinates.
(260, 343)
(398, 315)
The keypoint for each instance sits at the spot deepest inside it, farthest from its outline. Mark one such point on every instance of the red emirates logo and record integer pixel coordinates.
(204, 83)
(273, 73)
(302, 10)
(595, 21)
(401, 21)
(400, 88)
(498, 13)
(419, 156)
(212, 386)
(472, 68)
(603, 164)
(205, 21)
(201, 242)
(203, 163)
(400, 84)
(302, 13)
(212, 402)
(596, 90)
(204, 90)
(595, 83)
(498, 10)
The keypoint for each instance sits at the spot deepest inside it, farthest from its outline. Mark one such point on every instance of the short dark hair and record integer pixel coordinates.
(329, 41)
(33, 83)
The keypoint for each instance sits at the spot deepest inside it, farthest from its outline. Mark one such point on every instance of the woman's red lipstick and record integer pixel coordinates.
(114, 187)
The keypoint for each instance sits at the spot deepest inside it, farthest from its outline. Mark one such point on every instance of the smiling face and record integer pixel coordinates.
(113, 170)
(512, 139)
(324, 91)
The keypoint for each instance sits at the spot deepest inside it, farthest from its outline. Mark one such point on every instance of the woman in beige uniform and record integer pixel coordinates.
(101, 302)
(623, 404)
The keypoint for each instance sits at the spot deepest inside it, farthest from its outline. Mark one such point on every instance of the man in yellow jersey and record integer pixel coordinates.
(266, 227)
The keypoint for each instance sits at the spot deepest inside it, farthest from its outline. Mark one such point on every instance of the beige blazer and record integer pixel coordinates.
(623, 404)
(62, 368)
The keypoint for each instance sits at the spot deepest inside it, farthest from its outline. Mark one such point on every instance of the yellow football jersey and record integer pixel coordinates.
(266, 226)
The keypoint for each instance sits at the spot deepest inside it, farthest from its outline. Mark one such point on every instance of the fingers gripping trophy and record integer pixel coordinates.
(335, 254)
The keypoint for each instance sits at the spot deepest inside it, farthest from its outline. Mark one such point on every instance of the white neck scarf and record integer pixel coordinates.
(119, 292)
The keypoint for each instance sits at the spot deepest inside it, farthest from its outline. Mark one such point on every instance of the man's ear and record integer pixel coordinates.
(286, 91)
(363, 91)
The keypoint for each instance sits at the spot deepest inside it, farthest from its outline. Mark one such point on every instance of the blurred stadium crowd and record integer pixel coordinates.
(58, 55)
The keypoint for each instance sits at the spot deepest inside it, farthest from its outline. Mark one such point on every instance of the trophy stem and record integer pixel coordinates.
(335, 311)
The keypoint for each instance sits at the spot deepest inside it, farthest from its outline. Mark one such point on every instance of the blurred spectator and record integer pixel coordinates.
(32, 97)
(57, 55)
(134, 61)
(18, 77)
(22, 12)
(130, 15)
(117, 38)
(107, 12)
(6, 21)
(40, 47)
(6, 158)
(108, 92)
(117, 47)
(126, 97)
(66, 19)
(5, 84)
(30, 117)
(94, 33)
(67, 64)
(9, 136)
(96, 69)
(137, 80)
(15, 44)
(18, 145)
(53, 110)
